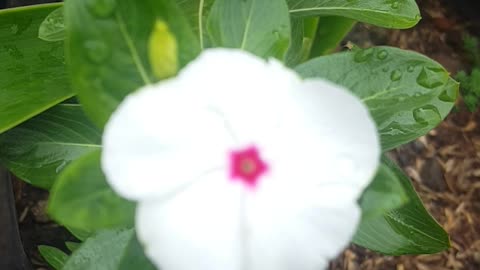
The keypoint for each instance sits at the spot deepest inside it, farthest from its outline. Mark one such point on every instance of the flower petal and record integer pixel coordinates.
(249, 91)
(297, 233)
(199, 228)
(326, 141)
(160, 139)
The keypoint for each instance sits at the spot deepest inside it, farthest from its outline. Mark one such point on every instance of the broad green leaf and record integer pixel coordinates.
(53, 27)
(81, 198)
(103, 251)
(407, 230)
(54, 256)
(32, 74)
(197, 12)
(37, 150)
(107, 48)
(134, 257)
(385, 193)
(330, 32)
(407, 93)
(260, 27)
(384, 13)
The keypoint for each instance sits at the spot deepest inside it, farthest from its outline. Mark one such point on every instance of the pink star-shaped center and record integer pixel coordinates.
(247, 166)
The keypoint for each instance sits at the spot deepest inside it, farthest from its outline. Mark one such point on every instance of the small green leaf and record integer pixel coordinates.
(53, 27)
(54, 256)
(407, 230)
(407, 93)
(33, 74)
(107, 48)
(384, 13)
(81, 198)
(163, 52)
(260, 27)
(81, 235)
(134, 257)
(72, 246)
(37, 150)
(385, 193)
(330, 32)
(103, 251)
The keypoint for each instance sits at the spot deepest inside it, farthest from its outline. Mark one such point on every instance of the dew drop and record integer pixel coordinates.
(411, 68)
(101, 8)
(97, 51)
(382, 54)
(363, 55)
(385, 69)
(427, 114)
(395, 4)
(431, 77)
(450, 93)
(396, 75)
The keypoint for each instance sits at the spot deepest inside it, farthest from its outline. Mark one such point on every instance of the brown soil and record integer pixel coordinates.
(444, 165)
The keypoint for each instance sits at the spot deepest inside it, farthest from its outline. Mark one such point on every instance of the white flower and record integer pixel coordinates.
(238, 164)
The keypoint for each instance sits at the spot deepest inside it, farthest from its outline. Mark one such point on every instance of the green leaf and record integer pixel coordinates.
(330, 32)
(260, 27)
(81, 198)
(407, 230)
(103, 251)
(107, 48)
(81, 235)
(384, 13)
(407, 93)
(54, 256)
(37, 150)
(72, 246)
(53, 27)
(385, 193)
(196, 11)
(33, 74)
(134, 257)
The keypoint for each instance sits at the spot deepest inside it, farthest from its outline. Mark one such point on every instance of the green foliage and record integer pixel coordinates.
(53, 27)
(33, 74)
(389, 14)
(108, 56)
(54, 256)
(260, 27)
(38, 150)
(406, 230)
(109, 250)
(470, 83)
(82, 199)
(407, 93)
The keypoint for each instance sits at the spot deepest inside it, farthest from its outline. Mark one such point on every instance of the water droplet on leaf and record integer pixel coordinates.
(431, 77)
(450, 93)
(363, 55)
(101, 8)
(97, 51)
(411, 68)
(382, 54)
(427, 114)
(396, 75)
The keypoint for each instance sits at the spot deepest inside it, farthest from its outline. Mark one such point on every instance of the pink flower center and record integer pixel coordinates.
(247, 166)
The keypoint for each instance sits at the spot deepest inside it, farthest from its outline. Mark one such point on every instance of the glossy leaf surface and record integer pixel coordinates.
(108, 50)
(407, 93)
(103, 251)
(384, 13)
(407, 230)
(32, 74)
(384, 193)
(37, 150)
(260, 27)
(53, 27)
(81, 198)
(54, 256)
